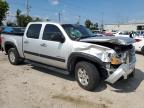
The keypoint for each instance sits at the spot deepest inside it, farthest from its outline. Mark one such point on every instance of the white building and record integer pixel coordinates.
(125, 27)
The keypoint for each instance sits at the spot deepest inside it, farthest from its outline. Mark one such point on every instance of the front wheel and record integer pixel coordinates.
(14, 57)
(87, 75)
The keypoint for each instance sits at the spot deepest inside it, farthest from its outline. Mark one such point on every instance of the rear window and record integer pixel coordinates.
(34, 31)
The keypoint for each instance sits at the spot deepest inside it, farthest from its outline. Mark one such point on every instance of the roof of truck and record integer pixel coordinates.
(48, 23)
(45, 22)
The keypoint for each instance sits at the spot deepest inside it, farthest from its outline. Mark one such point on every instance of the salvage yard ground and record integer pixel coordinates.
(27, 86)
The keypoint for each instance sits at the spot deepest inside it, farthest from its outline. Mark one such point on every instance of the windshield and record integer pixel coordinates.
(77, 31)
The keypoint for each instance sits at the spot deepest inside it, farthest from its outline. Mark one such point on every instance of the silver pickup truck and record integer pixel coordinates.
(75, 49)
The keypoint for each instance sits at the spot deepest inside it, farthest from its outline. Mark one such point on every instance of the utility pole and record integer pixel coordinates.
(59, 17)
(102, 25)
(27, 8)
(78, 22)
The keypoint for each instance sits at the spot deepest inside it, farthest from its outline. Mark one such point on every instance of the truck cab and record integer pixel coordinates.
(46, 43)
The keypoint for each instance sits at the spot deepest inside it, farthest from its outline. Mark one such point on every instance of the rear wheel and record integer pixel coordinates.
(142, 50)
(14, 57)
(87, 75)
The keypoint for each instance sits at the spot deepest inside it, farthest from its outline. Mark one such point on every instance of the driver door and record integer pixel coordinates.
(51, 49)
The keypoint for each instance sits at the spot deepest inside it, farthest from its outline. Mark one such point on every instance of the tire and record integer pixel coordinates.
(142, 50)
(91, 71)
(14, 57)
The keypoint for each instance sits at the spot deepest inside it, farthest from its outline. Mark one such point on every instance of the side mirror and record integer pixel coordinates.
(62, 40)
(58, 38)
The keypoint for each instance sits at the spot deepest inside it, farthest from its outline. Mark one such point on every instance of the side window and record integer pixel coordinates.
(51, 32)
(34, 31)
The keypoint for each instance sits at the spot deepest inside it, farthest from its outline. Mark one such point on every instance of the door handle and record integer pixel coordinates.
(26, 42)
(43, 45)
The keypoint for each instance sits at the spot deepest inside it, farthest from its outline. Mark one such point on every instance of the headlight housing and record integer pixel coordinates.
(107, 55)
(115, 60)
(111, 57)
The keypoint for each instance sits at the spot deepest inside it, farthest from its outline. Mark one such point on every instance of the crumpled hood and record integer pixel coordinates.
(110, 39)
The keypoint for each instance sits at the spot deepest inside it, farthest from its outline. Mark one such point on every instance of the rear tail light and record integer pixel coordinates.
(138, 40)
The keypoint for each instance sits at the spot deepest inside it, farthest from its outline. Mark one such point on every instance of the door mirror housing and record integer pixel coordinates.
(58, 38)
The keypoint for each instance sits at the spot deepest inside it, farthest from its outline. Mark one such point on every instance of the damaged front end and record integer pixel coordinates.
(119, 60)
(122, 63)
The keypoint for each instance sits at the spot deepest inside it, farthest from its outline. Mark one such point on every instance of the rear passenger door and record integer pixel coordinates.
(31, 42)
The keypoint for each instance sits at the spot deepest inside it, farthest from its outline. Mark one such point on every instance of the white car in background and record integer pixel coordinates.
(122, 34)
(139, 44)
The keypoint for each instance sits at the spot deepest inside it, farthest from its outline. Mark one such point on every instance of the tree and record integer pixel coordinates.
(18, 12)
(47, 19)
(4, 7)
(88, 23)
(22, 20)
(96, 26)
(10, 23)
(37, 19)
(101, 27)
(92, 27)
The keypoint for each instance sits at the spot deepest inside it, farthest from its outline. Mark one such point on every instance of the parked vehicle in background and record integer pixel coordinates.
(131, 34)
(139, 44)
(122, 34)
(14, 30)
(114, 31)
(108, 34)
(75, 49)
(140, 34)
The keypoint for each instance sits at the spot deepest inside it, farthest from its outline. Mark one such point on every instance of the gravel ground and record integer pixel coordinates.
(27, 86)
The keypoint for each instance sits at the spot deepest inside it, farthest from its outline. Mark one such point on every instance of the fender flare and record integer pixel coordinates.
(74, 58)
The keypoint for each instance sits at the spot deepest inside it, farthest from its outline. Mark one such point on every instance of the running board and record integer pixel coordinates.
(58, 70)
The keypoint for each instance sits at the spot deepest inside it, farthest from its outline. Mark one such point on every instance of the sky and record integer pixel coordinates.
(106, 11)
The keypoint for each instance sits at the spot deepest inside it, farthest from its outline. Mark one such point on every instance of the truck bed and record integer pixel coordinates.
(17, 39)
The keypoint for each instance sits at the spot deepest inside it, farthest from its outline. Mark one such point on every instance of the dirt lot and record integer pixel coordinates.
(27, 86)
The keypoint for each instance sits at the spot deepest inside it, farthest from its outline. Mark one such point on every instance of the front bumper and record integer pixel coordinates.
(123, 71)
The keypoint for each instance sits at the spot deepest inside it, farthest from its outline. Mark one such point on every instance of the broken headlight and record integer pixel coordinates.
(119, 58)
(112, 58)
(115, 60)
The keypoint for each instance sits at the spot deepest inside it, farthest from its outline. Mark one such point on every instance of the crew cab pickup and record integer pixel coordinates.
(75, 49)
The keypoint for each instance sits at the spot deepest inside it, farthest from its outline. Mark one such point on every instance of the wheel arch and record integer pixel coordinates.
(9, 45)
(74, 58)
